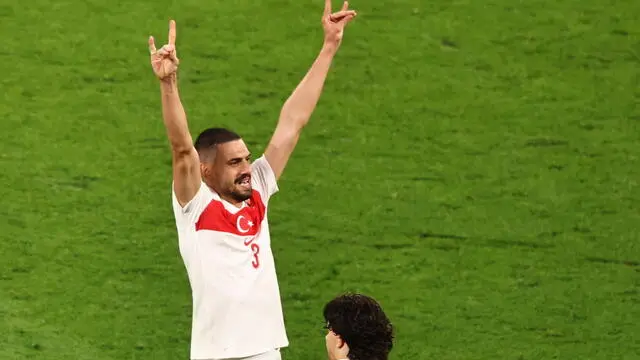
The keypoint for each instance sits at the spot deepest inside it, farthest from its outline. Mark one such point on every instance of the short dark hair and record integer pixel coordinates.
(360, 321)
(211, 137)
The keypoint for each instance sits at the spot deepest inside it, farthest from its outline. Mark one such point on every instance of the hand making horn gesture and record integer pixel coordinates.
(165, 61)
(334, 23)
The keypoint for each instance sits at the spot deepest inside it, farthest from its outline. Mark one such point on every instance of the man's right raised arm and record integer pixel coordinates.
(185, 161)
(186, 164)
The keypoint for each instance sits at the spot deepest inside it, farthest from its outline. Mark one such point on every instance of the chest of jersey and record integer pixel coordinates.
(244, 224)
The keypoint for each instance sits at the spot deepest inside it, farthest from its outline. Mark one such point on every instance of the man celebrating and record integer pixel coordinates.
(220, 201)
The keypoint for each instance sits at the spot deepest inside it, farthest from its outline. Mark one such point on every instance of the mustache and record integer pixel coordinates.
(242, 177)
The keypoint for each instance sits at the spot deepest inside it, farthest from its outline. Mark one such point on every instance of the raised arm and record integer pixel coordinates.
(186, 165)
(298, 108)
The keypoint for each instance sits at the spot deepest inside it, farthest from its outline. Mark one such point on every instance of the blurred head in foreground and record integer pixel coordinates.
(358, 328)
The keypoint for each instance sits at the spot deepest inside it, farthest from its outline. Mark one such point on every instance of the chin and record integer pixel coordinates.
(242, 195)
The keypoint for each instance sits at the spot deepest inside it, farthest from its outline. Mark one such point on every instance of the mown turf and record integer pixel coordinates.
(473, 165)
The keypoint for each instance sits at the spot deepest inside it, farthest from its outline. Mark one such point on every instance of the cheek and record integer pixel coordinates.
(226, 177)
(330, 340)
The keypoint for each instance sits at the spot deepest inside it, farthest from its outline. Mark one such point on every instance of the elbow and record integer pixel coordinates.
(181, 149)
(294, 121)
(181, 144)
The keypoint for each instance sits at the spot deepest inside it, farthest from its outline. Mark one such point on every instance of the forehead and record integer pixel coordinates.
(232, 149)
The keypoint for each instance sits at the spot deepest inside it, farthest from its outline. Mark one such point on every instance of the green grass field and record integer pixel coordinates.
(472, 165)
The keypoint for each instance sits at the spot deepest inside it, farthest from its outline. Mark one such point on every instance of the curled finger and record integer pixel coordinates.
(162, 51)
(346, 20)
(174, 57)
(337, 16)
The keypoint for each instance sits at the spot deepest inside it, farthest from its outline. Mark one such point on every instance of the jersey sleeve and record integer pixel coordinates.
(188, 215)
(263, 178)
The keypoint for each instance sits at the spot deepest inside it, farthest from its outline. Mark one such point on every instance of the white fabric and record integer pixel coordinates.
(269, 355)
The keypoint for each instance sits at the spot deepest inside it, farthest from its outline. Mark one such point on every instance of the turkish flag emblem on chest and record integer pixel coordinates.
(245, 222)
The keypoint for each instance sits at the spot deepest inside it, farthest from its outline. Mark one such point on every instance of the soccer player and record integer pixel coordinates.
(358, 329)
(220, 200)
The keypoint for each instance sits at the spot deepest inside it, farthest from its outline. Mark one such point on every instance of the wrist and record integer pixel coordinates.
(171, 78)
(329, 48)
(169, 83)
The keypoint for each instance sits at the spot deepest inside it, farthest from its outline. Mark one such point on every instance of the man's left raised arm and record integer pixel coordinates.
(298, 108)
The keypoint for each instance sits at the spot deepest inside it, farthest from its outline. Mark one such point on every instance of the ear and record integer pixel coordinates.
(204, 170)
(342, 349)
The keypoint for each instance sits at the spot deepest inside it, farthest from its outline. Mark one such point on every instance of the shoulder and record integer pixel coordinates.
(191, 210)
(263, 178)
(262, 164)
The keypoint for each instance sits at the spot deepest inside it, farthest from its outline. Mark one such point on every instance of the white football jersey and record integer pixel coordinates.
(226, 250)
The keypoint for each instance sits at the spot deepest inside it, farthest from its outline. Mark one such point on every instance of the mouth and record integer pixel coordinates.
(244, 182)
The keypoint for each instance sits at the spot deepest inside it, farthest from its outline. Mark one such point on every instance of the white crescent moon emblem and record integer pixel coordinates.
(240, 227)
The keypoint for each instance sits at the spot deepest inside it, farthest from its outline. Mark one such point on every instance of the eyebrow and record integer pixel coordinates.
(239, 158)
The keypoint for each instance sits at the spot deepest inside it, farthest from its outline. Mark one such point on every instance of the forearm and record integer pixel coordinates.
(298, 108)
(175, 118)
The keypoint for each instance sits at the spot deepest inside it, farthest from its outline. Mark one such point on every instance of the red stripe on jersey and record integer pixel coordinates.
(245, 222)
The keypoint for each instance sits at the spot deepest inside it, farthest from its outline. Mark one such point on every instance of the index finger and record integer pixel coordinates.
(172, 32)
(327, 7)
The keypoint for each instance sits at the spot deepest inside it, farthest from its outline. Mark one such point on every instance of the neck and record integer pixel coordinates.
(232, 201)
(229, 199)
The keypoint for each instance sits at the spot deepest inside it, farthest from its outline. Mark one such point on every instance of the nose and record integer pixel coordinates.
(245, 169)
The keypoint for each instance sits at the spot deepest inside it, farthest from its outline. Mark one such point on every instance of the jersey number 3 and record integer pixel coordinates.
(255, 249)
